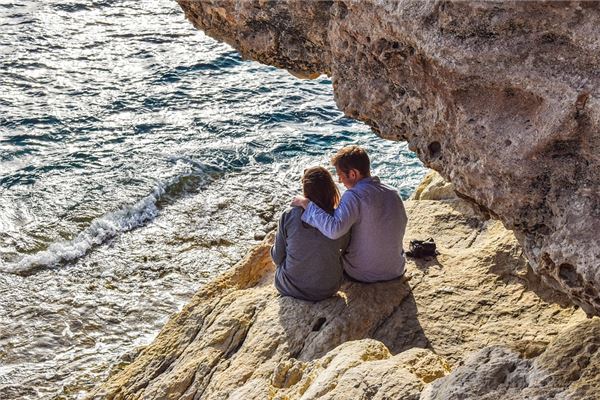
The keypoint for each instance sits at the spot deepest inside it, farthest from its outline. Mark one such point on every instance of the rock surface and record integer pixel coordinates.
(569, 368)
(239, 339)
(500, 97)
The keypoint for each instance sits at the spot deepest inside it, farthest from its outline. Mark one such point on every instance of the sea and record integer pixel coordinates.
(139, 158)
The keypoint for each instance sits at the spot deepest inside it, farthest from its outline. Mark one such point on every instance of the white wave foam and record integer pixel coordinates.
(100, 230)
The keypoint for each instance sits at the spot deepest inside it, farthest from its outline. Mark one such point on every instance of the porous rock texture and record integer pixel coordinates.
(239, 339)
(500, 97)
(568, 369)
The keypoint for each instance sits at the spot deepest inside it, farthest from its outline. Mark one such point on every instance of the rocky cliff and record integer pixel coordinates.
(465, 321)
(500, 97)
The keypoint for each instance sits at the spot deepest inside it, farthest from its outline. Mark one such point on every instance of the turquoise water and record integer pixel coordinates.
(138, 159)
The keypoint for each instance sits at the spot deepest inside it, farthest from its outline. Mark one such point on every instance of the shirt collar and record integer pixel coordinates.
(368, 180)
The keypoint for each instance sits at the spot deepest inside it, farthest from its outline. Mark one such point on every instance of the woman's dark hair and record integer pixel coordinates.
(318, 187)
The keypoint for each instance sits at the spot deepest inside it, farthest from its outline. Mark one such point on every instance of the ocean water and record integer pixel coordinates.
(139, 158)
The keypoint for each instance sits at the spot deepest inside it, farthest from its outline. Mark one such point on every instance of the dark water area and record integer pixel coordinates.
(139, 158)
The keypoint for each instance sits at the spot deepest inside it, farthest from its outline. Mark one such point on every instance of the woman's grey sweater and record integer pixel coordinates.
(308, 263)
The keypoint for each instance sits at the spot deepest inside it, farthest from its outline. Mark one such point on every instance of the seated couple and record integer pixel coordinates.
(322, 235)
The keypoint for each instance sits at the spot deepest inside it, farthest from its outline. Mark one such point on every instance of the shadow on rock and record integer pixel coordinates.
(423, 264)
(384, 311)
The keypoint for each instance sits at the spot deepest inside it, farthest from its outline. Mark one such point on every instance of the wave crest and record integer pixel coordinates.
(107, 227)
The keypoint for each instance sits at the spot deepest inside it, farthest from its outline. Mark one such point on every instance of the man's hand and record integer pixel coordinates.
(300, 201)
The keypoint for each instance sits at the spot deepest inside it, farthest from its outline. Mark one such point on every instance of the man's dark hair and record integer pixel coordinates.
(352, 157)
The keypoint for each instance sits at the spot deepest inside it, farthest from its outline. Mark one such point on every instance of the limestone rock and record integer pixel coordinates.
(491, 373)
(502, 98)
(434, 187)
(352, 370)
(366, 368)
(239, 339)
(569, 368)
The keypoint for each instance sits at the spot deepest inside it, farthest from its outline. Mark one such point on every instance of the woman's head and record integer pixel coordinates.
(318, 187)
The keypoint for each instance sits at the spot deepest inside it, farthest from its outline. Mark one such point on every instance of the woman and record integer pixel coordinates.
(308, 263)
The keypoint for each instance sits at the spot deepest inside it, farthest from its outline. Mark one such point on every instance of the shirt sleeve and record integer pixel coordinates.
(337, 225)
(278, 250)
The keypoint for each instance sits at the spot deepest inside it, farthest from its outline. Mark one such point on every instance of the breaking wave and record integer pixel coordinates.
(107, 226)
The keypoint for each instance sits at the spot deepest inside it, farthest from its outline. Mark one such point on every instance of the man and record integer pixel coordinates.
(372, 212)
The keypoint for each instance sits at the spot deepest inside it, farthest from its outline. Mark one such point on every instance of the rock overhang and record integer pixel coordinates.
(500, 97)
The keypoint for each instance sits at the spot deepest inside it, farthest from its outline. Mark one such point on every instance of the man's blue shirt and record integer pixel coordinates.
(375, 216)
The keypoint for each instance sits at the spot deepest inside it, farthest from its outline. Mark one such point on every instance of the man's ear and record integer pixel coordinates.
(354, 174)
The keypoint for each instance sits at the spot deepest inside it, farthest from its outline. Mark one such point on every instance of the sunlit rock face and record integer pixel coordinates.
(500, 97)
(238, 339)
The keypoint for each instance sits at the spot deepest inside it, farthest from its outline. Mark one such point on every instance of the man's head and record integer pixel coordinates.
(351, 164)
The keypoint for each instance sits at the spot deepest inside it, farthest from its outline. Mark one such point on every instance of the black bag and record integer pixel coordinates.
(422, 248)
